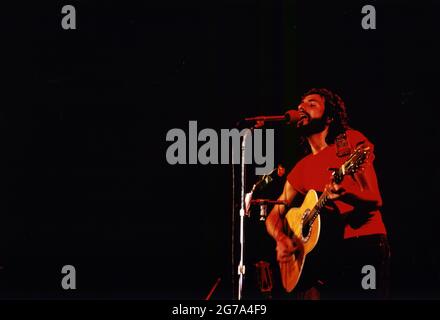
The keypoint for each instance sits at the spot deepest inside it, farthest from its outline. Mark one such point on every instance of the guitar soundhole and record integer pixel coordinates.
(306, 230)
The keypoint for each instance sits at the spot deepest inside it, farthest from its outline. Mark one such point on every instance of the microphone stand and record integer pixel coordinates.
(246, 202)
(263, 206)
(243, 212)
(246, 199)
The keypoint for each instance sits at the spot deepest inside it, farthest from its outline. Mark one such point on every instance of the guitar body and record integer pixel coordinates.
(304, 239)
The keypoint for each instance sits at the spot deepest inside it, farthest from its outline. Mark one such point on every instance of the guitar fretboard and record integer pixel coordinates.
(322, 201)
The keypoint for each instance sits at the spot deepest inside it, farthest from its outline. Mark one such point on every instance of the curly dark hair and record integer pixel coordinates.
(334, 109)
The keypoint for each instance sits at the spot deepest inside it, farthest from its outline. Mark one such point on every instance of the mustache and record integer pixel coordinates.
(303, 115)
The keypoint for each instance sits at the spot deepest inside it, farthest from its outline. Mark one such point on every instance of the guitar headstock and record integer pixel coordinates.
(353, 164)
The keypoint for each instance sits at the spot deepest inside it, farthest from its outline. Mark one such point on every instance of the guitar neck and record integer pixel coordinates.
(322, 201)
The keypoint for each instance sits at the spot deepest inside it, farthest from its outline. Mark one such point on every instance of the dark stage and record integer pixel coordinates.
(85, 114)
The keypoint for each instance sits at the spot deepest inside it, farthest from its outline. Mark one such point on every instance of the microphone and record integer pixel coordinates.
(268, 178)
(260, 184)
(290, 117)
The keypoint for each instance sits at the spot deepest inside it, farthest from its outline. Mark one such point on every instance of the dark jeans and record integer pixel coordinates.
(354, 269)
(363, 271)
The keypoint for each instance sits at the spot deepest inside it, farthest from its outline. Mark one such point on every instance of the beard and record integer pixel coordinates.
(312, 126)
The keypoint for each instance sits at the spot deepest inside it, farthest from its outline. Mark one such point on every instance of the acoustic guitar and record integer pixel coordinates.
(304, 224)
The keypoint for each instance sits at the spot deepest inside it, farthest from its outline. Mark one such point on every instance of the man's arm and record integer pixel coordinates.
(274, 224)
(362, 192)
(274, 220)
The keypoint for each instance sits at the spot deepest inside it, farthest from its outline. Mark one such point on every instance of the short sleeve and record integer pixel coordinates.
(296, 179)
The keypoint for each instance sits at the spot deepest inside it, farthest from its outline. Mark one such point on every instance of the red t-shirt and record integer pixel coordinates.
(312, 172)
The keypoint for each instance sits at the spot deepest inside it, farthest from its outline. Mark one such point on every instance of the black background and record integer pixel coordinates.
(84, 116)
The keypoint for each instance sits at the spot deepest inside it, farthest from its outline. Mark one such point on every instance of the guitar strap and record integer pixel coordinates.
(343, 147)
